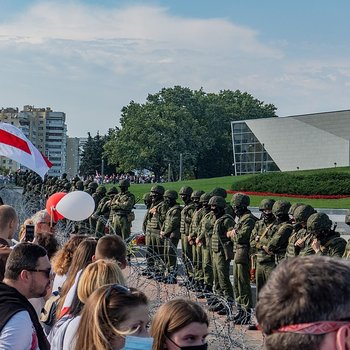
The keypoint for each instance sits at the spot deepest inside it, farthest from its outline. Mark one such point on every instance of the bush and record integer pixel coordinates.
(323, 183)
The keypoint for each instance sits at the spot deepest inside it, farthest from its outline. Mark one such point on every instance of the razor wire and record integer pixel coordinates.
(224, 334)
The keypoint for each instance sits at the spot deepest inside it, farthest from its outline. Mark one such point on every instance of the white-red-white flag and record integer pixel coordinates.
(15, 145)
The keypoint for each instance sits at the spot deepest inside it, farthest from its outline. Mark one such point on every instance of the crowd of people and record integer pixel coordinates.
(291, 252)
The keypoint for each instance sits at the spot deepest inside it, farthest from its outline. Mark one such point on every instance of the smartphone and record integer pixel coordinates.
(29, 237)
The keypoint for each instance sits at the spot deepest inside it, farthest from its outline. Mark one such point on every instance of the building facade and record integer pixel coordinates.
(46, 129)
(73, 157)
(302, 142)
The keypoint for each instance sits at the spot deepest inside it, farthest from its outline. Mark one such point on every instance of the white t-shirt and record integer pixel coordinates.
(19, 333)
(70, 295)
(69, 338)
(58, 282)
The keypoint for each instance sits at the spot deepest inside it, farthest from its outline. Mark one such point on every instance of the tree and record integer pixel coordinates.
(178, 121)
(91, 160)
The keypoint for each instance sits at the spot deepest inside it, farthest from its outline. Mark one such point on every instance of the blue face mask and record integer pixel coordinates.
(138, 343)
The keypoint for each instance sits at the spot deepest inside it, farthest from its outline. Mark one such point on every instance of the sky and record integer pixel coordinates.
(90, 58)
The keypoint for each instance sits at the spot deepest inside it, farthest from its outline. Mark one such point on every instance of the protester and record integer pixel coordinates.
(180, 324)
(8, 227)
(82, 258)
(112, 318)
(27, 275)
(305, 304)
(63, 259)
(108, 247)
(43, 222)
(94, 276)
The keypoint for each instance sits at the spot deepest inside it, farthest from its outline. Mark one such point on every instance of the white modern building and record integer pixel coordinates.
(310, 141)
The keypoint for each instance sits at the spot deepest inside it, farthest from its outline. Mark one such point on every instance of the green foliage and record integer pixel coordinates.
(313, 183)
(178, 121)
(91, 160)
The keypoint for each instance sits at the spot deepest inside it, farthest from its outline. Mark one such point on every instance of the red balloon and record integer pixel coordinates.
(51, 203)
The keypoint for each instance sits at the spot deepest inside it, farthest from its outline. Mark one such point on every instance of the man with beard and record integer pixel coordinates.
(27, 275)
(240, 235)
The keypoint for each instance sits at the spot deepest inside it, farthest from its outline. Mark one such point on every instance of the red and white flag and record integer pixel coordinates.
(15, 145)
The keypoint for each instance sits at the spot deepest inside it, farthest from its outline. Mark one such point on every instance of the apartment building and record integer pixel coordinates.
(46, 129)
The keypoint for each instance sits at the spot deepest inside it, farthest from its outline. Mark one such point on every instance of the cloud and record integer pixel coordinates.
(90, 61)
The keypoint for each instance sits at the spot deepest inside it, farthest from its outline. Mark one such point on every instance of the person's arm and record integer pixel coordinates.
(18, 333)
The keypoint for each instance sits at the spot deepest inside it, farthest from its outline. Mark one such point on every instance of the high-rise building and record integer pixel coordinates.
(73, 157)
(46, 129)
(10, 116)
(48, 132)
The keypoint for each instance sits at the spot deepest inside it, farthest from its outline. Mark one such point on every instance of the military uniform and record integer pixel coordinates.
(186, 219)
(221, 248)
(121, 210)
(171, 232)
(155, 221)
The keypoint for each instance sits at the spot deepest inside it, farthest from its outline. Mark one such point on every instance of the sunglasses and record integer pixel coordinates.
(51, 224)
(47, 272)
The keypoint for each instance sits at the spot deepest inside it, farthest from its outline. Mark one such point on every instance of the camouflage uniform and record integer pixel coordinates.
(260, 237)
(186, 219)
(121, 210)
(156, 218)
(171, 233)
(103, 210)
(241, 238)
(222, 250)
(331, 244)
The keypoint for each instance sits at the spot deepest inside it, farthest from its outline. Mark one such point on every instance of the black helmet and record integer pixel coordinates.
(240, 200)
(280, 208)
(185, 191)
(302, 213)
(218, 201)
(266, 204)
(318, 222)
(171, 194)
(124, 183)
(157, 189)
(218, 191)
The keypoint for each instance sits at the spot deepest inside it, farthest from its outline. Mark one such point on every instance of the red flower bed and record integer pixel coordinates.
(312, 196)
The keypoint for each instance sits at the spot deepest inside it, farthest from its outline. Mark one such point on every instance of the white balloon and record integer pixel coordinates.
(76, 205)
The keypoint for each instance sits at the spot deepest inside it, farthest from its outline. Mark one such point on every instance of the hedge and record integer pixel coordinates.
(327, 183)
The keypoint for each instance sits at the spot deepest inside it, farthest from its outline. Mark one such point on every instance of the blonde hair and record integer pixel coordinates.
(173, 316)
(104, 311)
(99, 274)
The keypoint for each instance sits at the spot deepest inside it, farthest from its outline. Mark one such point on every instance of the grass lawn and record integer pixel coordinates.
(225, 182)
